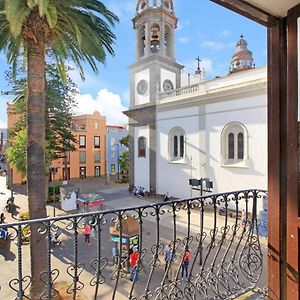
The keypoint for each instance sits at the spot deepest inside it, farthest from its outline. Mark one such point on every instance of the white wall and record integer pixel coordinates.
(141, 164)
(173, 177)
(166, 74)
(143, 75)
(252, 112)
(206, 153)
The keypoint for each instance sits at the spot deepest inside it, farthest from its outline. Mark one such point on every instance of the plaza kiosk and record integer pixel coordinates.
(89, 203)
(130, 238)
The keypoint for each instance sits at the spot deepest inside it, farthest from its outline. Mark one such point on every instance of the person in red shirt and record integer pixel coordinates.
(133, 259)
(185, 263)
(87, 233)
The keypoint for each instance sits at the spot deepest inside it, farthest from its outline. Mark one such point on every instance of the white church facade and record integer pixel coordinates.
(183, 127)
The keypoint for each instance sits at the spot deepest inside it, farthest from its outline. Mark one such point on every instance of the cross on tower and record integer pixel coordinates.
(199, 61)
(198, 71)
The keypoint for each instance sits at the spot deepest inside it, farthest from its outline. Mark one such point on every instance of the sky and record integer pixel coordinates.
(205, 29)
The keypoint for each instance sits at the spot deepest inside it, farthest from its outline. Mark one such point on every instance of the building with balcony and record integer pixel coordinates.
(113, 147)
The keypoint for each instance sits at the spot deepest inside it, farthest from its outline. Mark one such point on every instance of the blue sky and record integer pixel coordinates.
(205, 29)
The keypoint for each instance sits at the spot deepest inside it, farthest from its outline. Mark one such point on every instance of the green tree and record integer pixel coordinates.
(125, 141)
(60, 102)
(76, 29)
(124, 162)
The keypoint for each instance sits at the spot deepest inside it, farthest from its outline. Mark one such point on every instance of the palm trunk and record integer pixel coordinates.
(36, 157)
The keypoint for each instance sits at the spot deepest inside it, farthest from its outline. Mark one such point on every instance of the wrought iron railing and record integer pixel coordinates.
(226, 255)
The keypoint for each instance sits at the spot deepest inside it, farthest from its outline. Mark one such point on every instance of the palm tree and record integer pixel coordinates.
(79, 30)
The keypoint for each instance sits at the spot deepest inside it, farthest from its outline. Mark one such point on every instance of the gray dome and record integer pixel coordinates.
(144, 4)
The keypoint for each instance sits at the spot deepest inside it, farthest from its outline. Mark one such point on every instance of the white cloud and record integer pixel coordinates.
(212, 45)
(225, 33)
(107, 103)
(183, 40)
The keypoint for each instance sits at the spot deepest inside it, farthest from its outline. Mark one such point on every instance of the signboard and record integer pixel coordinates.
(134, 241)
(117, 239)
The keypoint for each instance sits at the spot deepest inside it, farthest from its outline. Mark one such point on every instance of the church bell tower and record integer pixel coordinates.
(154, 71)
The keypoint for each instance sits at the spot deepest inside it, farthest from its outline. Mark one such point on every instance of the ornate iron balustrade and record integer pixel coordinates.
(226, 256)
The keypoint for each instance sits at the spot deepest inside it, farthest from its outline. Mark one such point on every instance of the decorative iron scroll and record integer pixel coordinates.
(207, 247)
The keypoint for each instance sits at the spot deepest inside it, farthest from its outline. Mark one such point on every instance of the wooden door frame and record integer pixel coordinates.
(283, 137)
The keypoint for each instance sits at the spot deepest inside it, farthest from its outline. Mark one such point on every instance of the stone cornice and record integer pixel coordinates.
(258, 87)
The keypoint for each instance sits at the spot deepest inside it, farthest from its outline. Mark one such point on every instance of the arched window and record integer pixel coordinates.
(142, 39)
(230, 146)
(240, 145)
(234, 144)
(175, 146)
(142, 146)
(155, 38)
(168, 40)
(176, 143)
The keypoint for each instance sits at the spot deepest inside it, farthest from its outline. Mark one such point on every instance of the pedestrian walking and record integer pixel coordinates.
(167, 254)
(2, 218)
(173, 266)
(244, 217)
(87, 233)
(133, 259)
(185, 264)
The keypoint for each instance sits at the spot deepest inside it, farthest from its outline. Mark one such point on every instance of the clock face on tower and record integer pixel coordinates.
(142, 87)
(168, 85)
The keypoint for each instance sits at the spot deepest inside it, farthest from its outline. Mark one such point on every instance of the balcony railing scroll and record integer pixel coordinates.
(210, 255)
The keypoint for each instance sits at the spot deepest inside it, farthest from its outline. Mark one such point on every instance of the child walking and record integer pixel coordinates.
(87, 233)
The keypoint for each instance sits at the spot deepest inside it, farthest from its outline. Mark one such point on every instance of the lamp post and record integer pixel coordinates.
(198, 184)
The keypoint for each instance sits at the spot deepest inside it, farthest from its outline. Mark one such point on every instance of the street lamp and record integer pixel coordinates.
(198, 184)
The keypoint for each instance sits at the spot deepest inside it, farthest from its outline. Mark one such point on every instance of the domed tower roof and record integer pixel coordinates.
(242, 58)
(144, 4)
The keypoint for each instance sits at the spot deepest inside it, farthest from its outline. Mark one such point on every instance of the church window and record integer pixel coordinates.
(175, 154)
(142, 41)
(234, 145)
(168, 40)
(230, 146)
(176, 144)
(240, 145)
(181, 146)
(142, 147)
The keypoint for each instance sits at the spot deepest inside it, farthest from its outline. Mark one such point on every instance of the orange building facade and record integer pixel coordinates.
(89, 159)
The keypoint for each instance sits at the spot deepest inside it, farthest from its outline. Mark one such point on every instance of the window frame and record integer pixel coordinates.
(232, 133)
(95, 138)
(82, 145)
(177, 144)
(142, 151)
(80, 160)
(97, 160)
